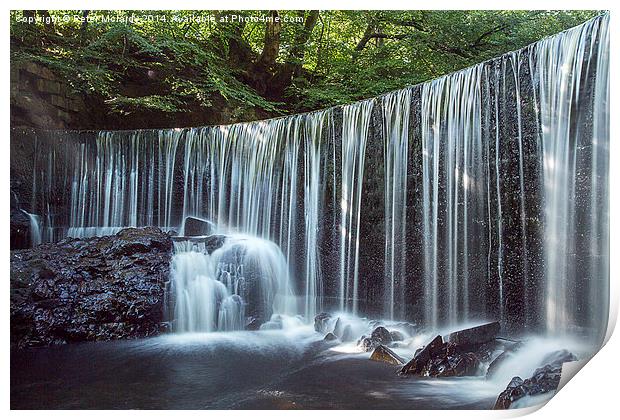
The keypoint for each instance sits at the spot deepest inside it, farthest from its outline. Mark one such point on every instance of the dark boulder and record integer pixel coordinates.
(422, 357)
(439, 359)
(90, 289)
(476, 336)
(367, 344)
(384, 354)
(396, 336)
(545, 379)
(194, 226)
(466, 364)
(381, 335)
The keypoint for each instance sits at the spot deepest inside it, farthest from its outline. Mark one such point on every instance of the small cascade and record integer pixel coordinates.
(244, 281)
(36, 232)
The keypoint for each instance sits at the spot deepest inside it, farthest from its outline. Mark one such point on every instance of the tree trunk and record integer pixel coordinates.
(271, 48)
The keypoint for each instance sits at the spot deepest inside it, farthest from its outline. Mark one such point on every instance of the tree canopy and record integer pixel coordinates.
(264, 63)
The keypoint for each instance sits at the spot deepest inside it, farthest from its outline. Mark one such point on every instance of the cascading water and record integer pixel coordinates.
(491, 197)
(355, 122)
(572, 72)
(35, 228)
(245, 280)
(396, 107)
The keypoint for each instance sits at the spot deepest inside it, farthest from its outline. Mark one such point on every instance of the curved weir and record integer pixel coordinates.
(479, 195)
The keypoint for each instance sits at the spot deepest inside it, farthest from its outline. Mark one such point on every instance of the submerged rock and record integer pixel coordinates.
(347, 334)
(90, 289)
(396, 336)
(193, 226)
(330, 337)
(545, 379)
(384, 354)
(321, 322)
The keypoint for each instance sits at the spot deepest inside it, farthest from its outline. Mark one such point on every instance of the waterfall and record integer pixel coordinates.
(313, 194)
(454, 191)
(35, 228)
(480, 194)
(396, 107)
(577, 209)
(246, 279)
(355, 122)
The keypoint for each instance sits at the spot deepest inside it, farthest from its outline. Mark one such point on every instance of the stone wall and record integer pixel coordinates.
(39, 98)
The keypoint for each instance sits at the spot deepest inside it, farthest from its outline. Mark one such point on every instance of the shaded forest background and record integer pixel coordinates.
(187, 68)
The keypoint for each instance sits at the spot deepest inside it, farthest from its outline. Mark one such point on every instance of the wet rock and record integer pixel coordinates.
(367, 344)
(422, 357)
(384, 354)
(194, 226)
(90, 289)
(439, 359)
(475, 336)
(545, 379)
(330, 337)
(381, 335)
(338, 328)
(557, 358)
(396, 336)
(467, 364)
(347, 334)
(321, 322)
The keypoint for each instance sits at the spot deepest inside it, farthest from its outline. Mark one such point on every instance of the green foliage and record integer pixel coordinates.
(175, 63)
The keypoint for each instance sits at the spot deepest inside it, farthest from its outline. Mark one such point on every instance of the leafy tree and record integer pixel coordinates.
(264, 63)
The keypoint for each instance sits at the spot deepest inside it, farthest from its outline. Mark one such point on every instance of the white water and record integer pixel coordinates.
(35, 228)
(396, 108)
(567, 150)
(212, 292)
(355, 122)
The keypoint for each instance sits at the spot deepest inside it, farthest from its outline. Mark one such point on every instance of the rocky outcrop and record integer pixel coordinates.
(384, 354)
(379, 336)
(321, 322)
(475, 336)
(461, 355)
(545, 379)
(90, 289)
(194, 226)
